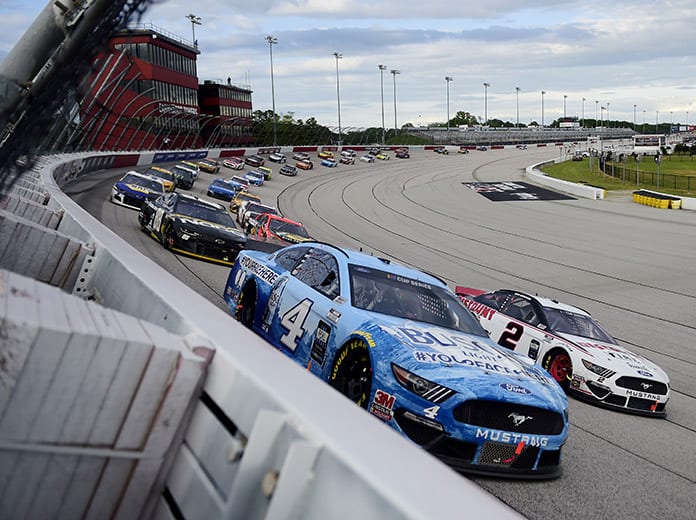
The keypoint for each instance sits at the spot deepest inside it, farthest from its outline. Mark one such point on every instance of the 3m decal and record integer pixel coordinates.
(382, 405)
(294, 321)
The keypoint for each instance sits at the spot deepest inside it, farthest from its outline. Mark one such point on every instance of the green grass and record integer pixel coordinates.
(579, 171)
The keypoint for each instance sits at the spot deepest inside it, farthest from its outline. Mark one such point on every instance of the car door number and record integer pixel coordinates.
(294, 322)
(157, 219)
(511, 335)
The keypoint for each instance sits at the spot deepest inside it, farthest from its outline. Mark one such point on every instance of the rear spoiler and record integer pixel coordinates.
(462, 291)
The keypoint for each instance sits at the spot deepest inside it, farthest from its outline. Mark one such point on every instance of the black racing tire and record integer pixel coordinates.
(166, 232)
(351, 372)
(246, 306)
(557, 362)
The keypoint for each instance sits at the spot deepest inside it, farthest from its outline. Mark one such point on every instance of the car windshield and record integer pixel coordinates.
(283, 226)
(254, 207)
(203, 211)
(565, 322)
(159, 173)
(407, 298)
(150, 184)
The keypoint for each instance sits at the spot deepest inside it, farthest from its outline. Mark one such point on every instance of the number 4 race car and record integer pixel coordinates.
(573, 347)
(400, 344)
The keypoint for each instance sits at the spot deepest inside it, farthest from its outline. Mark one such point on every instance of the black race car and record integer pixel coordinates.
(193, 226)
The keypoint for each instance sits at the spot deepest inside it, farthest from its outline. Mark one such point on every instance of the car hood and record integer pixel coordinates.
(205, 227)
(291, 237)
(472, 365)
(136, 188)
(616, 358)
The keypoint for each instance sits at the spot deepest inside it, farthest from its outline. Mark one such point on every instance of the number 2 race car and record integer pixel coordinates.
(573, 347)
(400, 344)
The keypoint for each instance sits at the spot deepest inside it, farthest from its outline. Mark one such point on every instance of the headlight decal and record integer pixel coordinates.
(433, 392)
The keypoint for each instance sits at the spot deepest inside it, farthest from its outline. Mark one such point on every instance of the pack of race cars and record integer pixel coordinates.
(477, 378)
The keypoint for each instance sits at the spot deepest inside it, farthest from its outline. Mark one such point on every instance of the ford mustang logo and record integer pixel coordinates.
(645, 386)
(518, 419)
(510, 387)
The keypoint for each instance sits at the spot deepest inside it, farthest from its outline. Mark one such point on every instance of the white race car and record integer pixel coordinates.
(573, 347)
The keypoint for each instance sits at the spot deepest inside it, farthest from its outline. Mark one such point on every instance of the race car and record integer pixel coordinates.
(166, 177)
(329, 163)
(347, 159)
(254, 177)
(224, 189)
(399, 343)
(265, 171)
(573, 347)
(301, 156)
(402, 153)
(209, 165)
(236, 163)
(325, 154)
(368, 158)
(304, 165)
(183, 176)
(276, 229)
(277, 157)
(134, 188)
(288, 169)
(240, 197)
(193, 226)
(249, 210)
(382, 156)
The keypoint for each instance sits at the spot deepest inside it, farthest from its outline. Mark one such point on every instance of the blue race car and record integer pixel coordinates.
(134, 188)
(254, 177)
(224, 189)
(329, 162)
(400, 344)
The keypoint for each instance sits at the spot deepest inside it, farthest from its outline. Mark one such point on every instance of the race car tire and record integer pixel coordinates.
(166, 232)
(351, 372)
(246, 306)
(557, 363)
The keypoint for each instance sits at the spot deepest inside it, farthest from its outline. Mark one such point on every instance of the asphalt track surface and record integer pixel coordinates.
(632, 266)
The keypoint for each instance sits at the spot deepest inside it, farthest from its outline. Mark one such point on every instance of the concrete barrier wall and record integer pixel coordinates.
(265, 439)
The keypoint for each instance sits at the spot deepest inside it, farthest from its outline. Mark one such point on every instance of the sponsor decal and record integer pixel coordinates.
(533, 349)
(463, 359)
(366, 336)
(261, 271)
(577, 381)
(511, 437)
(515, 389)
(273, 302)
(382, 405)
(138, 188)
(333, 316)
(484, 311)
(320, 343)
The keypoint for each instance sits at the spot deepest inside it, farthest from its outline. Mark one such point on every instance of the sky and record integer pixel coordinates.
(637, 59)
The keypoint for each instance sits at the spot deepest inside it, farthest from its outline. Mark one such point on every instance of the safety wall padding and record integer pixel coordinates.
(656, 200)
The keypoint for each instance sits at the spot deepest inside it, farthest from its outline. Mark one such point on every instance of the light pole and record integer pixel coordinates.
(607, 119)
(195, 20)
(643, 120)
(634, 117)
(447, 80)
(382, 68)
(542, 108)
(271, 42)
(596, 120)
(583, 113)
(338, 56)
(485, 103)
(517, 104)
(657, 115)
(394, 72)
(565, 96)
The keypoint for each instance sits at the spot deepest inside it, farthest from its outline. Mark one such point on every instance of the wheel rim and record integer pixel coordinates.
(560, 367)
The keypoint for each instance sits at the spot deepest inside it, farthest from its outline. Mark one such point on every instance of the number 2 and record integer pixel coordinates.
(511, 335)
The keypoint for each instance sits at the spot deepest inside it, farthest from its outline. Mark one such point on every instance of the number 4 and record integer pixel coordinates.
(293, 321)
